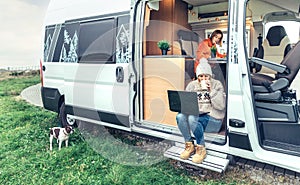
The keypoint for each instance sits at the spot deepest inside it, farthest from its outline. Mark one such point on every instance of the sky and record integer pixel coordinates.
(21, 32)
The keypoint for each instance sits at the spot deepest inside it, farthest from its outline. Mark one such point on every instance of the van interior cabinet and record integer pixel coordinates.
(170, 18)
(162, 74)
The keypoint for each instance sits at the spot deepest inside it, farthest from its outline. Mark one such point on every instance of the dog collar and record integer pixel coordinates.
(65, 132)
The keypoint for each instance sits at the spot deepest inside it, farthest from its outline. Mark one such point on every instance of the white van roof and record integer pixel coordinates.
(61, 10)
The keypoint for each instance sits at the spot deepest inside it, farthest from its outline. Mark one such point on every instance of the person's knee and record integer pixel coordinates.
(180, 118)
(192, 119)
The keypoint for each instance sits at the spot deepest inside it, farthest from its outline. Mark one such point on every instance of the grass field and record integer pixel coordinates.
(25, 157)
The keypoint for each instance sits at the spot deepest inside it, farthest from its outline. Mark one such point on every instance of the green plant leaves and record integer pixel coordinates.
(163, 45)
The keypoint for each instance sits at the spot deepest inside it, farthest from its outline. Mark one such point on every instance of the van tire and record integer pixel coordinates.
(63, 119)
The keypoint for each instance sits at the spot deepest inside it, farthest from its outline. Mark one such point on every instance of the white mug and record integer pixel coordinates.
(204, 85)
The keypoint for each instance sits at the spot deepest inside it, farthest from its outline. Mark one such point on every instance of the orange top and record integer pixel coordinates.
(204, 51)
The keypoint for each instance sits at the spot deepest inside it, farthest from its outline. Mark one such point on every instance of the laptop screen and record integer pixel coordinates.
(184, 102)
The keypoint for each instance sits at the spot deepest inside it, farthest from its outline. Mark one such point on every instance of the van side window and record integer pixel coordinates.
(53, 36)
(97, 40)
(69, 51)
(122, 40)
(47, 43)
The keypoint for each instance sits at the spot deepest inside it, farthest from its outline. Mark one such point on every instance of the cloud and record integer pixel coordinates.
(21, 32)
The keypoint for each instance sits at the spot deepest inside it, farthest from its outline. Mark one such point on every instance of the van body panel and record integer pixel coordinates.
(98, 116)
(86, 59)
(54, 76)
(94, 86)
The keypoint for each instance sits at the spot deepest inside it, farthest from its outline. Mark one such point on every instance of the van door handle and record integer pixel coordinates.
(44, 68)
(119, 74)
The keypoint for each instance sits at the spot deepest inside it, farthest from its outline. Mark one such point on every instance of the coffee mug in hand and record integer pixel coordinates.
(204, 85)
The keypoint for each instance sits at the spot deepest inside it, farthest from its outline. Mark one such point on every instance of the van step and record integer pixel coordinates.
(211, 162)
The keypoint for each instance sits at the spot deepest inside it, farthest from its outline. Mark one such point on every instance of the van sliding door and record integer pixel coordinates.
(96, 69)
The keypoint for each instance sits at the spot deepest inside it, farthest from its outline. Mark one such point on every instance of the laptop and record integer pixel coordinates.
(184, 102)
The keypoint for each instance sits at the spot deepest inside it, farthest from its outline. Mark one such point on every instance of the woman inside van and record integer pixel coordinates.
(204, 47)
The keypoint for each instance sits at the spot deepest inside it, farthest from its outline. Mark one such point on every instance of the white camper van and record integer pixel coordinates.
(102, 65)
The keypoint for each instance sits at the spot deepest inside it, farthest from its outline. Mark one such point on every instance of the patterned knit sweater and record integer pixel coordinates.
(212, 101)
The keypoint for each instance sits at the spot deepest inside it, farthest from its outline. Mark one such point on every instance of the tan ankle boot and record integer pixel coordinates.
(200, 154)
(189, 149)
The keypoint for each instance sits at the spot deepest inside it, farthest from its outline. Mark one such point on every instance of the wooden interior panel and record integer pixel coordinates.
(180, 18)
(160, 75)
(165, 23)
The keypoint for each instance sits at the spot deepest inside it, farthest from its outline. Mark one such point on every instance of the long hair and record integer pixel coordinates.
(216, 32)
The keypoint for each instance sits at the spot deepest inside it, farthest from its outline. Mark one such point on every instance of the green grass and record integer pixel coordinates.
(25, 157)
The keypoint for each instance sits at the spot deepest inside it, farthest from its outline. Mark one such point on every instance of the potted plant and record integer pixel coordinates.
(164, 46)
(213, 50)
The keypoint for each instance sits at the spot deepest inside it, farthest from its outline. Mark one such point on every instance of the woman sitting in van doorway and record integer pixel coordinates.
(204, 47)
(211, 100)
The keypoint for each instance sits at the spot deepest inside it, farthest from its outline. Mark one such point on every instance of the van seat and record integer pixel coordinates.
(267, 88)
(274, 48)
(188, 42)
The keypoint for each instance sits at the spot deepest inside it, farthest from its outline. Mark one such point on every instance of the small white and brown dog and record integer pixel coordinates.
(60, 134)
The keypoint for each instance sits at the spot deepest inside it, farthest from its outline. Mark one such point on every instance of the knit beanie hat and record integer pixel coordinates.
(203, 67)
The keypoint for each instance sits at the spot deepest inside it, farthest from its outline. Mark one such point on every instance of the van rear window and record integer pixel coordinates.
(53, 43)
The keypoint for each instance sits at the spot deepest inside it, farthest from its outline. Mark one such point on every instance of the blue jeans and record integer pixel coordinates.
(197, 124)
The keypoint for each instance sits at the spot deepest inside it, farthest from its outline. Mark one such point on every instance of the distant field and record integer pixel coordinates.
(25, 157)
(6, 74)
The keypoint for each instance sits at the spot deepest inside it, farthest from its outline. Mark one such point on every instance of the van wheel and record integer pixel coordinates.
(65, 119)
